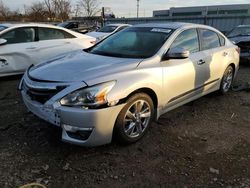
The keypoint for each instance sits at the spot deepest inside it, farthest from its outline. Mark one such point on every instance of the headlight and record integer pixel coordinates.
(88, 97)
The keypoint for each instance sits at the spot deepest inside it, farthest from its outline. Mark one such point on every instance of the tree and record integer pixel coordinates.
(90, 7)
(36, 12)
(4, 11)
(49, 4)
(63, 8)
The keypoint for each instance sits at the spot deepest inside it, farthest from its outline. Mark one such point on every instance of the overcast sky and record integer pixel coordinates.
(127, 8)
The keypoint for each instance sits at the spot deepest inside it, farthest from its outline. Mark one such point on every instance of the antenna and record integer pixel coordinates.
(138, 5)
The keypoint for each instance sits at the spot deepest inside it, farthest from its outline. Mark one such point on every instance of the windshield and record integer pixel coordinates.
(64, 24)
(2, 27)
(107, 29)
(240, 31)
(135, 42)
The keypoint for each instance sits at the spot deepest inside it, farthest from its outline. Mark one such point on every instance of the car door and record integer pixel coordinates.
(215, 55)
(16, 55)
(53, 42)
(180, 75)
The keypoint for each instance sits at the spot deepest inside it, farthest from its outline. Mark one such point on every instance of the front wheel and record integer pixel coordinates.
(227, 80)
(134, 119)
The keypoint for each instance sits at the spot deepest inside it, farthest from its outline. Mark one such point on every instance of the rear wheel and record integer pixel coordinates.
(227, 80)
(134, 119)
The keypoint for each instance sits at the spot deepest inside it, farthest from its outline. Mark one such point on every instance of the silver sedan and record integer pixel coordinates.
(118, 87)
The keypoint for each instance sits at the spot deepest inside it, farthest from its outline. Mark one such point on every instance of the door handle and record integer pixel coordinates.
(201, 61)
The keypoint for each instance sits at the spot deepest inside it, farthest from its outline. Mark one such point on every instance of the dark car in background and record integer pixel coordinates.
(77, 26)
(241, 37)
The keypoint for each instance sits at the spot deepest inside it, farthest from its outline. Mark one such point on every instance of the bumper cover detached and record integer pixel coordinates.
(79, 126)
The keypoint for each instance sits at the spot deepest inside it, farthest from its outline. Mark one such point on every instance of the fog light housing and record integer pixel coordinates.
(77, 132)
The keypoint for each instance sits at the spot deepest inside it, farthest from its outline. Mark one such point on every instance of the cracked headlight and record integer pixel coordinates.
(88, 97)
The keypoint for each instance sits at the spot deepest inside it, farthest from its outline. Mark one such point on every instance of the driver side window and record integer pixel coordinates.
(187, 40)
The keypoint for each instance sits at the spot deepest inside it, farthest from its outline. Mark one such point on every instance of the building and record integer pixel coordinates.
(237, 9)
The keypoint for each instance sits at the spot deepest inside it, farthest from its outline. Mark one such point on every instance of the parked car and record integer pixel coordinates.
(76, 26)
(22, 45)
(241, 37)
(119, 86)
(107, 30)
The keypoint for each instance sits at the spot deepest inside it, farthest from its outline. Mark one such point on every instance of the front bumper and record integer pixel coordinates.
(99, 122)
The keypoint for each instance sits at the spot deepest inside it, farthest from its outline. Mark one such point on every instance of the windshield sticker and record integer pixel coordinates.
(159, 30)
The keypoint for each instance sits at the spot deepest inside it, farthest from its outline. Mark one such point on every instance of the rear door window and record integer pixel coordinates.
(53, 34)
(209, 39)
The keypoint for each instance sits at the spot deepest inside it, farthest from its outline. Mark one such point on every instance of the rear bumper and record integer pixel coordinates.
(98, 123)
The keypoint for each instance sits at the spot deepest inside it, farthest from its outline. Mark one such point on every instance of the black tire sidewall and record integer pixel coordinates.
(222, 91)
(119, 133)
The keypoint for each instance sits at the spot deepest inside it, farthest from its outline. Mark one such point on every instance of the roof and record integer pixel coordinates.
(117, 24)
(27, 24)
(167, 25)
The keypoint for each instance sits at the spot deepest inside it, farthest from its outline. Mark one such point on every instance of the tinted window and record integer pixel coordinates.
(136, 42)
(53, 34)
(2, 28)
(107, 29)
(187, 40)
(209, 39)
(20, 35)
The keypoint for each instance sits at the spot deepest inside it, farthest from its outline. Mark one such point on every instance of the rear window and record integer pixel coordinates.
(107, 29)
(53, 34)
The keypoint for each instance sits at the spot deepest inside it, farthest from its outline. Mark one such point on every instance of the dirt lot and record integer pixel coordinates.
(203, 144)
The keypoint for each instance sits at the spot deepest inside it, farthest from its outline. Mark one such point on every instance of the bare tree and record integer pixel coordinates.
(50, 7)
(63, 9)
(90, 7)
(4, 11)
(36, 12)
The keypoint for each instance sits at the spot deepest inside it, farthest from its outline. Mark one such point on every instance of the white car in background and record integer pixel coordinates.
(107, 30)
(22, 45)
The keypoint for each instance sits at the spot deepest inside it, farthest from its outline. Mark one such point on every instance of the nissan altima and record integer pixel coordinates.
(116, 88)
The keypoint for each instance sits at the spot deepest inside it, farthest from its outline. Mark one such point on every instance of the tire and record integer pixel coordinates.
(134, 119)
(227, 80)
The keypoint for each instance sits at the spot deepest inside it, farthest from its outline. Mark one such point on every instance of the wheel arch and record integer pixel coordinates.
(150, 92)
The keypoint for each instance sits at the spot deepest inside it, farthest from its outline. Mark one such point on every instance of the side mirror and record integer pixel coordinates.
(176, 53)
(3, 41)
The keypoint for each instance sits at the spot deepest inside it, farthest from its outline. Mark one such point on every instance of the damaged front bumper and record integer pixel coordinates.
(79, 126)
(85, 127)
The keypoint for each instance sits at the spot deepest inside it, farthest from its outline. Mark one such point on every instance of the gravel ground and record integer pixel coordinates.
(205, 143)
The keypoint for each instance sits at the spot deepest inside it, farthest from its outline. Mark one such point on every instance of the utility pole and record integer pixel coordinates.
(138, 5)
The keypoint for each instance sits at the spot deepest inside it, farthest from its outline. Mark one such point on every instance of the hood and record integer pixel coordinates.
(239, 39)
(81, 66)
(97, 34)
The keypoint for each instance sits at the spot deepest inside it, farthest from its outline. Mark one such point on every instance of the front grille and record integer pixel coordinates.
(244, 46)
(41, 95)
